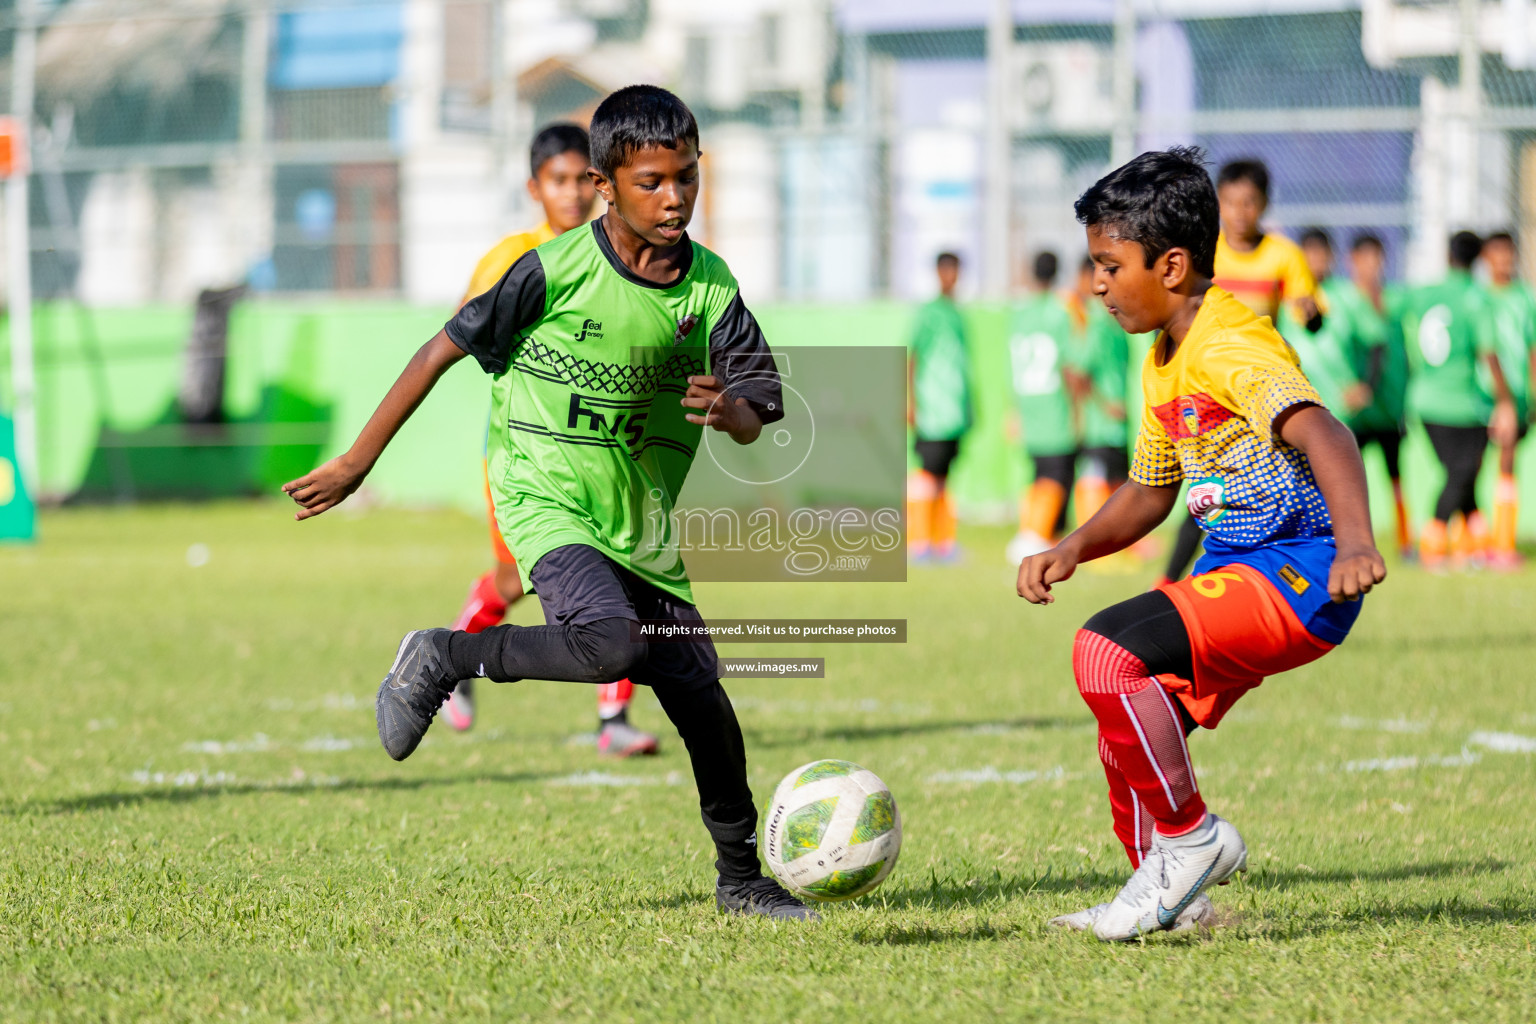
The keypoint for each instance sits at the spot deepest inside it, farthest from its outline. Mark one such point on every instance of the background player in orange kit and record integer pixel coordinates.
(558, 160)
(1278, 486)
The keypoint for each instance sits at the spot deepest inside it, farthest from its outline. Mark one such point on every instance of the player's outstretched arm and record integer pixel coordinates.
(731, 416)
(1340, 475)
(1130, 514)
(330, 484)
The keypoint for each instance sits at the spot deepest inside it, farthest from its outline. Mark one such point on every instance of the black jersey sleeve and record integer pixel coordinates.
(740, 357)
(488, 325)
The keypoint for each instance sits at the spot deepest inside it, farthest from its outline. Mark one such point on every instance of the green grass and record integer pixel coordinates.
(197, 822)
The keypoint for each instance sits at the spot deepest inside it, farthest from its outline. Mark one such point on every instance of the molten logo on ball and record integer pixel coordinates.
(832, 831)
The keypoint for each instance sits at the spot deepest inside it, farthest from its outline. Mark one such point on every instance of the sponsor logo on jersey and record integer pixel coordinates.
(685, 327)
(1296, 580)
(590, 329)
(1205, 499)
(1190, 414)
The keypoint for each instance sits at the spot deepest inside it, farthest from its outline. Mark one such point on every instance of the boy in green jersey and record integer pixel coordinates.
(939, 411)
(1040, 342)
(1356, 360)
(612, 347)
(1098, 379)
(1514, 320)
(1450, 339)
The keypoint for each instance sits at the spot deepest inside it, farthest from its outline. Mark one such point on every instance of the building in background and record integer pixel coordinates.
(374, 147)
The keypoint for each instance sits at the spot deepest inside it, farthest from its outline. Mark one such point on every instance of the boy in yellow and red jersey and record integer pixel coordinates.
(1264, 272)
(558, 160)
(1277, 485)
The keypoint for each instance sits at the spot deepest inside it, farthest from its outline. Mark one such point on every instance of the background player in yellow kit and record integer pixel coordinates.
(558, 161)
(1262, 271)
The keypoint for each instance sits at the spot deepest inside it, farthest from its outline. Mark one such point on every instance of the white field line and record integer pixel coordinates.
(1397, 764)
(608, 779)
(989, 775)
(1381, 724)
(1504, 742)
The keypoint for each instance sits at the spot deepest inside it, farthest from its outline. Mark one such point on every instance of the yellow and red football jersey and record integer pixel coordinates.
(1271, 273)
(495, 263)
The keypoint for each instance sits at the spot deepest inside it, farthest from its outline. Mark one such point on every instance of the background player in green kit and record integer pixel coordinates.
(1356, 361)
(939, 411)
(1450, 340)
(1097, 374)
(1514, 323)
(1040, 341)
(612, 347)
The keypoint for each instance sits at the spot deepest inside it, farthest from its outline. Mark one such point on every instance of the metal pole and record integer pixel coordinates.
(1470, 73)
(997, 219)
(1123, 145)
(18, 247)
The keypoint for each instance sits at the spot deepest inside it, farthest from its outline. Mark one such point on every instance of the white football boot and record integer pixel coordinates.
(1175, 872)
(1199, 914)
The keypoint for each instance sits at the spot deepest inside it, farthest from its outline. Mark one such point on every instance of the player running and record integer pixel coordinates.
(612, 347)
(1263, 271)
(1279, 488)
(1450, 337)
(1514, 321)
(939, 411)
(1039, 344)
(558, 182)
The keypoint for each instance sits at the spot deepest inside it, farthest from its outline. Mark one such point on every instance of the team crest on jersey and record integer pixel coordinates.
(685, 327)
(589, 329)
(1205, 499)
(1190, 414)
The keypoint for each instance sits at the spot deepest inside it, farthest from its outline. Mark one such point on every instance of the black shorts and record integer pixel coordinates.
(1115, 460)
(1059, 468)
(578, 584)
(937, 456)
(1391, 444)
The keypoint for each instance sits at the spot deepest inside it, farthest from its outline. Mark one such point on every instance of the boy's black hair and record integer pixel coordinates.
(1161, 200)
(635, 118)
(1252, 171)
(947, 257)
(1364, 239)
(554, 140)
(1500, 236)
(1316, 235)
(1464, 249)
(1046, 265)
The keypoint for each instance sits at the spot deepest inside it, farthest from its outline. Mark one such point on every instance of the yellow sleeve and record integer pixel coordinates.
(1258, 377)
(494, 264)
(1154, 463)
(1297, 282)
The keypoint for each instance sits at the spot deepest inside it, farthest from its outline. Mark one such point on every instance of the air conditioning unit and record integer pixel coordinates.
(1064, 87)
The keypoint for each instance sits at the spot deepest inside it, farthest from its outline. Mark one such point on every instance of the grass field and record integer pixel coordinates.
(198, 822)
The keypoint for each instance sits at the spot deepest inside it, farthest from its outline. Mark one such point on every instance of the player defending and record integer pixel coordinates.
(1450, 333)
(612, 347)
(1514, 322)
(1278, 487)
(1039, 343)
(939, 411)
(1262, 271)
(558, 161)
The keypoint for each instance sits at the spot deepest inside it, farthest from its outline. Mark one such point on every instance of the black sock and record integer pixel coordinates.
(621, 716)
(707, 724)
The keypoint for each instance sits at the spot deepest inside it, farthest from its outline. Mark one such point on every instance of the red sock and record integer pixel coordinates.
(1141, 736)
(483, 608)
(613, 698)
(1133, 825)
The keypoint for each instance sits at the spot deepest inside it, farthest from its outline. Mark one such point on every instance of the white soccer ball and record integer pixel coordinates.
(832, 831)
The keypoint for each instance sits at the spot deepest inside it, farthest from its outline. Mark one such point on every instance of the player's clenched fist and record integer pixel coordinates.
(1038, 572)
(1353, 574)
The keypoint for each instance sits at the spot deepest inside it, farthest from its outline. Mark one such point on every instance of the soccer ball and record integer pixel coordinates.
(833, 831)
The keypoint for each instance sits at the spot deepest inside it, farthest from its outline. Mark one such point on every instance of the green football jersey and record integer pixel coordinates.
(940, 377)
(1514, 317)
(1369, 341)
(1108, 356)
(1320, 355)
(1040, 340)
(1448, 329)
(589, 443)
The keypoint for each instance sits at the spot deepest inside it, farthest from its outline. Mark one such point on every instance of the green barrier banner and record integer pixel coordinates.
(16, 513)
